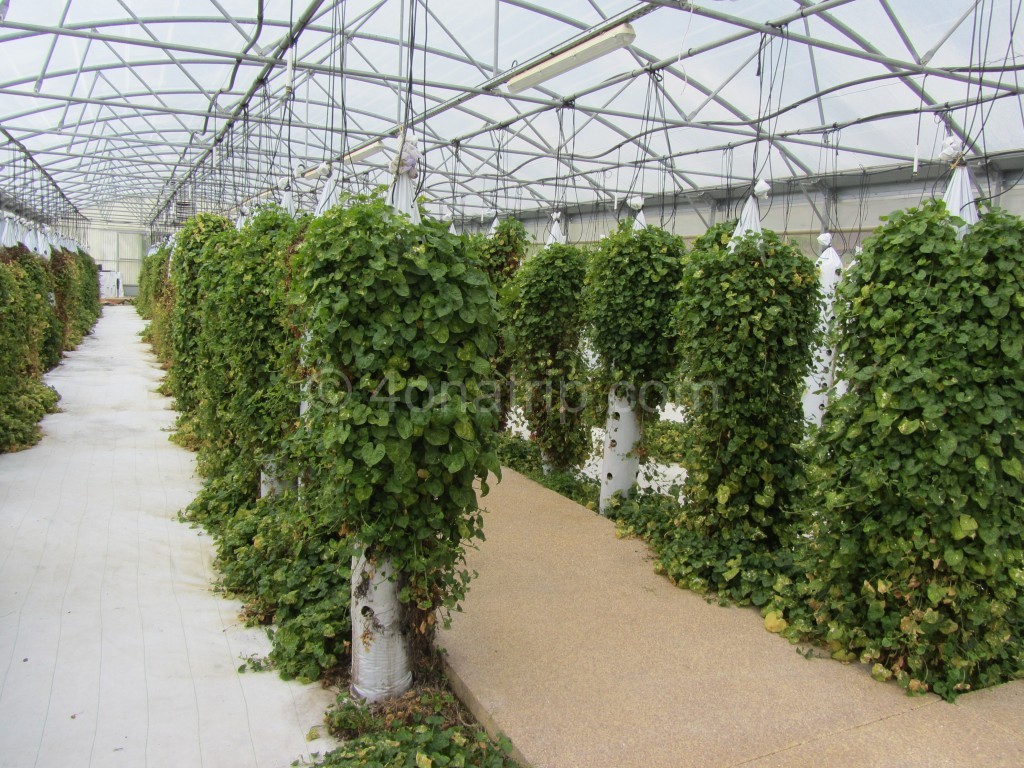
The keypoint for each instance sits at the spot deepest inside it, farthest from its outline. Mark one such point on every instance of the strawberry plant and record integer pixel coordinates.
(501, 253)
(917, 561)
(545, 308)
(186, 322)
(401, 324)
(747, 317)
(632, 296)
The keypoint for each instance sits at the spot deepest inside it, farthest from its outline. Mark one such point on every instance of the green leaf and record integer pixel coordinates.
(964, 526)
(372, 453)
(1013, 468)
(437, 435)
(464, 429)
(909, 426)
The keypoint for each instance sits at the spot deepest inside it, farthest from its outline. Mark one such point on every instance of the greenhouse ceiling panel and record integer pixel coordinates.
(141, 112)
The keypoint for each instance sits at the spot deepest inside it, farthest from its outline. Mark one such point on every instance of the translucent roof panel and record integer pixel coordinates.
(143, 111)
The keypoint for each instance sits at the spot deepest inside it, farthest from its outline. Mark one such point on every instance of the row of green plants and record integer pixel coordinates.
(895, 533)
(829, 536)
(46, 307)
(341, 360)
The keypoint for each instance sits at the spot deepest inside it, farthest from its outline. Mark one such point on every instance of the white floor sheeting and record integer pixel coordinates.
(114, 651)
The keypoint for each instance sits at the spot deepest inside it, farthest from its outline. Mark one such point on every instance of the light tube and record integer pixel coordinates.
(361, 154)
(584, 53)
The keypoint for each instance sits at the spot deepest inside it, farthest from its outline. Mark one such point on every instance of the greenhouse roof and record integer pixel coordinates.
(142, 112)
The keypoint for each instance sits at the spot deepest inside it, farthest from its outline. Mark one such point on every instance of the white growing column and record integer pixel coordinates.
(818, 384)
(380, 653)
(620, 464)
(381, 667)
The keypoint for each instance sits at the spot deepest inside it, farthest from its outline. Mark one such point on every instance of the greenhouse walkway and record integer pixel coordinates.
(114, 651)
(576, 650)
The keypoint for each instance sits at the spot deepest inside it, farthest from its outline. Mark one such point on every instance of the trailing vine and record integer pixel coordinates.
(501, 254)
(45, 307)
(186, 325)
(401, 330)
(278, 553)
(748, 321)
(632, 295)
(76, 294)
(545, 309)
(917, 561)
(156, 302)
(26, 320)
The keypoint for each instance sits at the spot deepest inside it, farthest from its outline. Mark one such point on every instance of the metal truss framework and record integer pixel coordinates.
(117, 111)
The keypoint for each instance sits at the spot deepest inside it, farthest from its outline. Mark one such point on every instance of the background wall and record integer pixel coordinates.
(119, 249)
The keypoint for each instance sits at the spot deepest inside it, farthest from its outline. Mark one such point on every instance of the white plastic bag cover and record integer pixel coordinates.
(288, 201)
(6, 233)
(31, 239)
(819, 381)
(959, 199)
(45, 249)
(328, 195)
(403, 198)
(405, 166)
(555, 235)
(750, 219)
(640, 222)
(451, 229)
(620, 464)
(380, 655)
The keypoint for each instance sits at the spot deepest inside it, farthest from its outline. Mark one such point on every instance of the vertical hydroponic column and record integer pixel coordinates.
(620, 463)
(381, 666)
(632, 300)
(819, 381)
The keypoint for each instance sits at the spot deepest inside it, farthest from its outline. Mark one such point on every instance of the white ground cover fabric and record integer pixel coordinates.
(114, 649)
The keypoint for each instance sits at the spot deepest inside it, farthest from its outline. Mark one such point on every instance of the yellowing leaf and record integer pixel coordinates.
(774, 622)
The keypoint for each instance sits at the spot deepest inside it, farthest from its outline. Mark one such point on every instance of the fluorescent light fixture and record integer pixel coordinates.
(318, 171)
(363, 153)
(584, 53)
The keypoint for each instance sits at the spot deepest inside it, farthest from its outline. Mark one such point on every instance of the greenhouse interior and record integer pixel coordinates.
(504, 383)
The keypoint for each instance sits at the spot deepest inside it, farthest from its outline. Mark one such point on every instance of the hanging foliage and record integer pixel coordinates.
(748, 321)
(633, 293)
(545, 317)
(156, 302)
(280, 554)
(28, 326)
(45, 308)
(76, 294)
(917, 561)
(401, 329)
(501, 254)
(186, 326)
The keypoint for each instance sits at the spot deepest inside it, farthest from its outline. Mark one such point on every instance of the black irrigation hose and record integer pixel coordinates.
(238, 62)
